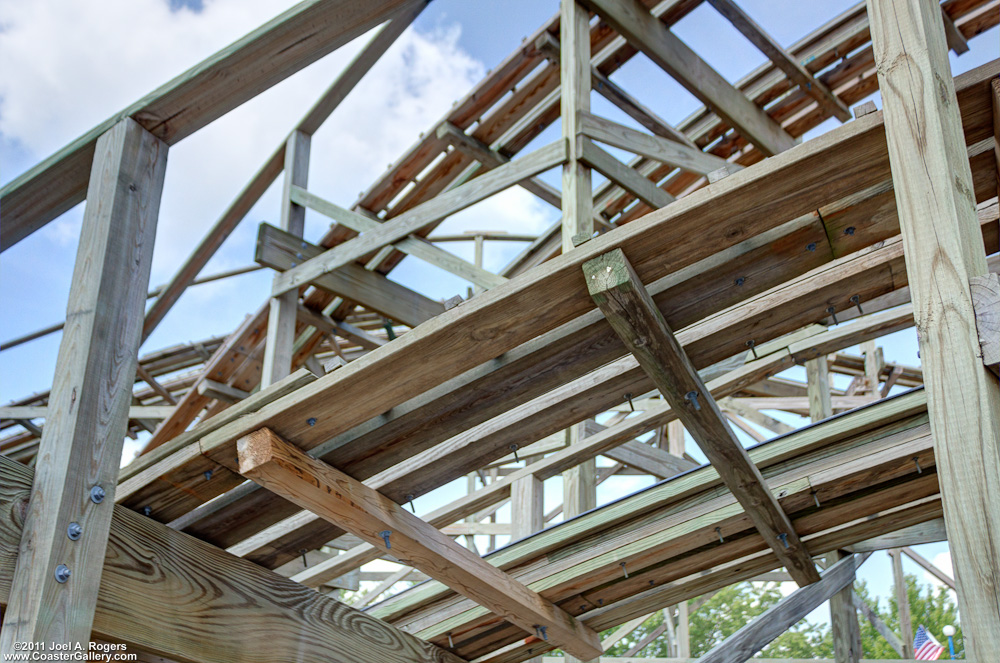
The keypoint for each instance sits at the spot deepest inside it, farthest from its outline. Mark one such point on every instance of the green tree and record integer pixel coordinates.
(934, 608)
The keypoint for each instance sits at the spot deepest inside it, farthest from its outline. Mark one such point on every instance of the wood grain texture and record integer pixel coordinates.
(753, 637)
(985, 292)
(630, 310)
(282, 468)
(87, 415)
(172, 595)
(628, 178)
(574, 97)
(944, 250)
(634, 22)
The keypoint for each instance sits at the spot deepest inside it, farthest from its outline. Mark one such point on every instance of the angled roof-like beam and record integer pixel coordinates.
(630, 310)
(328, 492)
(202, 94)
(782, 60)
(193, 579)
(647, 33)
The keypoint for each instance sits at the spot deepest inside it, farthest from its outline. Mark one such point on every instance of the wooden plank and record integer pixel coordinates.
(527, 513)
(280, 467)
(81, 443)
(659, 149)
(818, 389)
(944, 250)
(281, 320)
(424, 215)
(954, 37)
(221, 391)
(42, 411)
(634, 22)
(930, 568)
(902, 603)
(635, 109)
(753, 637)
(931, 531)
(627, 178)
(144, 375)
(418, 247)
(986, 304)
(844, 626)
(280, 250)
(879, 625)
(782, 60)
(627, 306)
(194, 579)
(252, 64)
(649, 459)
(574, 98)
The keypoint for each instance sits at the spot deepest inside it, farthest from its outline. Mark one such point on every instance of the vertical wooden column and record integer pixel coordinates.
(61, 555)
(675, 438)
(281, 321)
(527, 513)
(580, 482)
(818, 389)
(574, 53)
(944, 248)
(902, 602)
(844, 620)
(683, 631)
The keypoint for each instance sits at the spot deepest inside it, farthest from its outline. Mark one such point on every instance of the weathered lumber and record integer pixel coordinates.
(937, 211)
(42, 411)
(629, 309)
(902, 602)
(207, 91)
(574, 98)
(627, 178)
(930, 532)
(753, 637)
(929, 567)
(191, 580)
(634, 22)
(985, 292)
(880, 626)
(282, 468)
(54, 585)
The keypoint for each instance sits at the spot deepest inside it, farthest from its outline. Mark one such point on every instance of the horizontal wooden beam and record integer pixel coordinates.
(40, 411)
(659, 149)
(632, 20)
(424, 215)
(630, 310)
(252, 64)
(324, 490)
(193, 579)
(281, 250)
(627, 178)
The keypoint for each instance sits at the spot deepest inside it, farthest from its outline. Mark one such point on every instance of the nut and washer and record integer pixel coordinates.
(97, 495)
(62, 573)
(74, 531)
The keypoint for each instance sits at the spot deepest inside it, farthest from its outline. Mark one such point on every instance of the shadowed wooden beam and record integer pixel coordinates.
(55, 584)
(202, 94)
(324, 490)
(164, 608)
(753, 637)
(630, 310)
(944, 250)
(648, 34)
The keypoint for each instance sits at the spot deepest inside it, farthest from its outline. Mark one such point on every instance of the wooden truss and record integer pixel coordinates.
(666, 302)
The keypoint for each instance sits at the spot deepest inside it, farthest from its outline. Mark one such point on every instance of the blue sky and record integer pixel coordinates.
(68, 66)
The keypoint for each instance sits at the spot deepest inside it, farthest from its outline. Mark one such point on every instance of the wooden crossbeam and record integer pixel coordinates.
(195, 98)
(627, 178)
(796, 73)
(653, 147)
(621, 296)
(647, 33)
(312, 484)
(753, 637)
(44, 411)
(424, 215)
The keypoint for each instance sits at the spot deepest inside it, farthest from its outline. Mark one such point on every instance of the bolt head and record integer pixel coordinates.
(74, 531)
(147, 510)
(97, 495)
(740, 281)
(62, 573)
(849, 230)
(208, 474)
(811, 246)
(311, 421)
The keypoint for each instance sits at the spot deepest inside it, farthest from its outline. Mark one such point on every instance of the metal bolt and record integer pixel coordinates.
(299, 256)
(783, 538)
(311, 421)
(62, 573)
(208, 475)
(856, 300)
(451, 643)
(131, 187)
(816, 499)
(385, 537)
(147, 510)
(514, 448)
(718, 530)
(750, 344)
(74, 531)
(916, 459)
(97, 495)
(849, 230)
(739, 280)
(628, 397)
(409, 498)
(692, 398)
(832, 311)
(305, 560)
(811, 246)
(624, 570)
(540, 631)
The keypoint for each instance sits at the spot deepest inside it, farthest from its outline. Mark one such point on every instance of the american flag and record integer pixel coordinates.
(925, 647)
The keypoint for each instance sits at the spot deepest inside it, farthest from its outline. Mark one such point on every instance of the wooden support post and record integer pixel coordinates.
(630, 310)
(753, 637)
(877, 623)
(579, 482)
(675, 438)
(818, 388)
(844, 620)
(281, 321)
(683, 631)
(527, 514)
(58, 573)
(944, 249)
(574, 44)
(902, 602)
(346, 502)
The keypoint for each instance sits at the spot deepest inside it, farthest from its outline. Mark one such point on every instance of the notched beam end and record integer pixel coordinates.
(256, 449)
(610, 271)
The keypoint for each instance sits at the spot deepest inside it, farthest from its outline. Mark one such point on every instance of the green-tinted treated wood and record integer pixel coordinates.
(627, 178)
(630, 310)
(210, 89)
(87, 415)
(574, 83)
